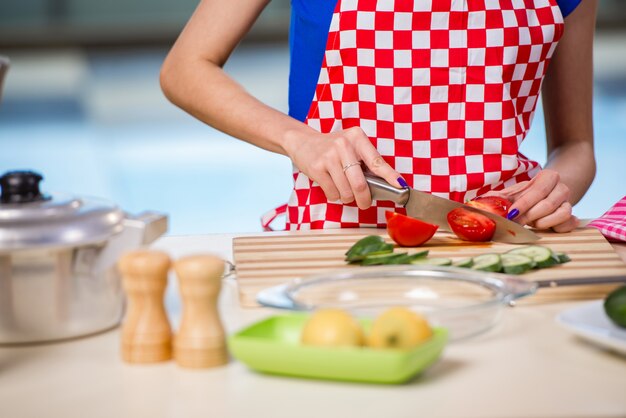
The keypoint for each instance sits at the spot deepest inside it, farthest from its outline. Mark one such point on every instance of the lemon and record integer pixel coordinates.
(332, 327)
(399, 328)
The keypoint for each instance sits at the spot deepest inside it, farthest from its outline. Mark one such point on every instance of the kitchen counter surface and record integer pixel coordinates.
(527, 366)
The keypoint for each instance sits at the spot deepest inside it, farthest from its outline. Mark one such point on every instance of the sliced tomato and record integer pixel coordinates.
(407, 231)
(493, 204)
(471, 226)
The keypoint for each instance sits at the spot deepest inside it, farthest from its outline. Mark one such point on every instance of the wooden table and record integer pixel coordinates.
(527, 366)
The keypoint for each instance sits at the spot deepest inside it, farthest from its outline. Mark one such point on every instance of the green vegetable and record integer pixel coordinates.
(392, 258)
(435, 261)
(373, 251)
(464, 262)
(516, 263)
(563, 258)
(380, 259)
(487, 262)
(409, 258)
(370, 245)
(542, 256)
(615, 306)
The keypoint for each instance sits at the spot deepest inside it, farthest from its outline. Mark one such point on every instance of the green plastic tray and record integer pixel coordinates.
(272, 346)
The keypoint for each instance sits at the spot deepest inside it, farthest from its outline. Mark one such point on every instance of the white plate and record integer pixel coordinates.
(590, 322)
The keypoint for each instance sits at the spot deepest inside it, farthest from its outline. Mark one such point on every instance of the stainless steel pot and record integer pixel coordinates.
(58, 253)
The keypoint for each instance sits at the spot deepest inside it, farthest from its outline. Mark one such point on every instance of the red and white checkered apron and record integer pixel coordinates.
(444, 89)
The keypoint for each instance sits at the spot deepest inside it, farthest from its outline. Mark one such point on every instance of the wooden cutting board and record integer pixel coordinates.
(275, 258)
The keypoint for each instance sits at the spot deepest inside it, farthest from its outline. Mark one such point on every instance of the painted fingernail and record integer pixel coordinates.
(403, 183)
(512, 214)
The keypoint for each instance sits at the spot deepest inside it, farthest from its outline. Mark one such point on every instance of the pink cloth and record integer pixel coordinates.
(613, 223)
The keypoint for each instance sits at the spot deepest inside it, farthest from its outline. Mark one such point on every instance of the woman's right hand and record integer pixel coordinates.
(336, 162)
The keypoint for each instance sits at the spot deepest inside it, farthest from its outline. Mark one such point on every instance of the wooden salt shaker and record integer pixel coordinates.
(146, 333)
(200, 342)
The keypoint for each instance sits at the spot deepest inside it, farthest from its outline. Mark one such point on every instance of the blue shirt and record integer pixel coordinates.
(310, 20)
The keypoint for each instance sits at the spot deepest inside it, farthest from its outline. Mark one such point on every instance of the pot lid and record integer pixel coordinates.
(30, 219)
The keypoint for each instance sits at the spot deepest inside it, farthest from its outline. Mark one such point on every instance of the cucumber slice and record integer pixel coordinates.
(542, 256)
(516, 263)
(408, 258)
(360, 257)
(487, 262)
(563, 258)
(436, 261)
(419, 254)
(380, 259)
(464, 262)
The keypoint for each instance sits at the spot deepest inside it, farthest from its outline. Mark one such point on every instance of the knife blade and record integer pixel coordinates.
(435, 209)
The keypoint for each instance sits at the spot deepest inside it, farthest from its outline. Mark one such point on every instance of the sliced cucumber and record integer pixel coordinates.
(374, 250)
(419, 254)
(516, 263)
(563, 258)
(408, 258)
(380, 259)
(542, 256)
(464, 262)
(360, 257)
(436, 261)
(487, 262)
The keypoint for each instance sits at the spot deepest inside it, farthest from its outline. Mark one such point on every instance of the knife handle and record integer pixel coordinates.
(381, 190)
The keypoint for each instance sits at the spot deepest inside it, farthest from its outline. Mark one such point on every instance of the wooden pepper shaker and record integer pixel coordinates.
(146, 333)
(200, 342)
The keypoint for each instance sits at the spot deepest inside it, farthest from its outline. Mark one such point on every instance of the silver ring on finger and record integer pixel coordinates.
(347, 166)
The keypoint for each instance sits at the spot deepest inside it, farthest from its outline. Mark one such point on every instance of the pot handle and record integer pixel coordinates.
(276, 297)
(4, 68)
(152, 224)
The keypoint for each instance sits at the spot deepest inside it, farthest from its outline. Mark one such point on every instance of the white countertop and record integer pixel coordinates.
(527, 366)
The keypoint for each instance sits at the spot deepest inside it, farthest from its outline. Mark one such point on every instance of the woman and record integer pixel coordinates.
(434, 95)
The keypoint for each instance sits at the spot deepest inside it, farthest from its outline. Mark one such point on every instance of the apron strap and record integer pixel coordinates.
(269, 217)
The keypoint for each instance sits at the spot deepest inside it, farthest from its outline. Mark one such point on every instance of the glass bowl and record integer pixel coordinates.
(466, 302)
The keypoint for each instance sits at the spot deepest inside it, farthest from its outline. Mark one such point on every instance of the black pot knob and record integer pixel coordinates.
(21, 187)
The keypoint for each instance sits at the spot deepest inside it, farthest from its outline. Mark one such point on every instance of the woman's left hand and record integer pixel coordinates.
(542, 202)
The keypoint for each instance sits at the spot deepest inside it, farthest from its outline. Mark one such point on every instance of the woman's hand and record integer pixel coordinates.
(336, 162)
(542, 202)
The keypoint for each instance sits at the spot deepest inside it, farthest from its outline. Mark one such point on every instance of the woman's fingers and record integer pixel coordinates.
(354, 146)
(341, 161)
(567, 226)
(548, 205)
(359, 187)
(557, 219)
(328, 186)
(377, 164)
(538, 189)
(351, 168)
(342, 184)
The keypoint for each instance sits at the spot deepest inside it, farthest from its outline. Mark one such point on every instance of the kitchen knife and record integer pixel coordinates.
(435, 209)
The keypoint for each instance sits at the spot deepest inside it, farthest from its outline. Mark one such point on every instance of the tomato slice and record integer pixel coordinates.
(492, 204)
(471, 226)
(407, 231)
